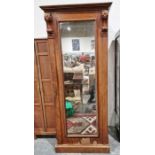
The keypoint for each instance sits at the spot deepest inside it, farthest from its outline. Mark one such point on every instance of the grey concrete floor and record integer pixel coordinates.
(45, 146)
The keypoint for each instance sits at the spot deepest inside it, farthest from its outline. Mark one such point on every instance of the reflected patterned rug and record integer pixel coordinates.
(82, 124)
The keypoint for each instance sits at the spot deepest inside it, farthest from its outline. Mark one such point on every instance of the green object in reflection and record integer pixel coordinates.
(69, 109)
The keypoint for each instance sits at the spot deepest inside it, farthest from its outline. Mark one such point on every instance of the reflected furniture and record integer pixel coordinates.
(81, 74)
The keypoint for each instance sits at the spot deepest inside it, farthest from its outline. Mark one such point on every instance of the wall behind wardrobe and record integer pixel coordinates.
(114, 26)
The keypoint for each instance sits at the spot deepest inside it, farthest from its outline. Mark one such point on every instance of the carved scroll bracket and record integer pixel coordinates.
(104, 18)
(49, 22)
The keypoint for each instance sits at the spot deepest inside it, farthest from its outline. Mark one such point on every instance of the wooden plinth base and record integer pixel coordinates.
(73, 148)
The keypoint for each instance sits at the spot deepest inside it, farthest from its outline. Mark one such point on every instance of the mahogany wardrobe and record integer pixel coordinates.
(78, 52)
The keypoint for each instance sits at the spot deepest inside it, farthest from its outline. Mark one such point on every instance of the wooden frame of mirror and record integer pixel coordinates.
(80, 12)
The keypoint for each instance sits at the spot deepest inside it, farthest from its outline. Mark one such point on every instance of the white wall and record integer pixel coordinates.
(114, 26)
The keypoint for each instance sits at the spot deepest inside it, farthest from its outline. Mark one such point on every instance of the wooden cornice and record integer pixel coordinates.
(80, 7)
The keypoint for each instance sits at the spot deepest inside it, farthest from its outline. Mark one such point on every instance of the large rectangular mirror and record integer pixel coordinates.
(79, 68)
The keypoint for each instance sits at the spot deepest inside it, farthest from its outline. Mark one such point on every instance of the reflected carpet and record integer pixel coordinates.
(82, 124)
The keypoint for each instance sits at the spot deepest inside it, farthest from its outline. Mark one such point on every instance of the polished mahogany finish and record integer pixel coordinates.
(97, 12)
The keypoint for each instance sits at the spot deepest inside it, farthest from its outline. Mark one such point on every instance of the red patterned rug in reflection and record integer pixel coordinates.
(84, 124)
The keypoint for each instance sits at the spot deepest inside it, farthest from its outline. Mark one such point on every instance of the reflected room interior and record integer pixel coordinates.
(79, 66)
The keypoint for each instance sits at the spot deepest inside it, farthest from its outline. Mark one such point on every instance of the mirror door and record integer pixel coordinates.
(79, 70)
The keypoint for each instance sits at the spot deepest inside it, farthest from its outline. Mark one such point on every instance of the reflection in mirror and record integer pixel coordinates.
(78, 52)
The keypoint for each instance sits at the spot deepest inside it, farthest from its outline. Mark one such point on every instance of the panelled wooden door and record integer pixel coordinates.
(45, 74)
(38, 111)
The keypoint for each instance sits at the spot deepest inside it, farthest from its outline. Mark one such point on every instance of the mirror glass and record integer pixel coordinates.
(79, 67)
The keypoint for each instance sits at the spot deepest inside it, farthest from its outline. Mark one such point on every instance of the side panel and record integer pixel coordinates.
(39, 126)
(46, 83)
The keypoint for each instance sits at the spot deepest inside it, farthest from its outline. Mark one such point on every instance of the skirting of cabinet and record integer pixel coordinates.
(41, 132)
(74, 148)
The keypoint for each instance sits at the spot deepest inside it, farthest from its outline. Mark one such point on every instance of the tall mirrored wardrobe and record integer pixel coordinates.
(77, 37)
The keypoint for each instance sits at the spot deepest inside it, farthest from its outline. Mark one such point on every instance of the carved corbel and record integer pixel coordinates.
(49, 22)
(104, 18)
